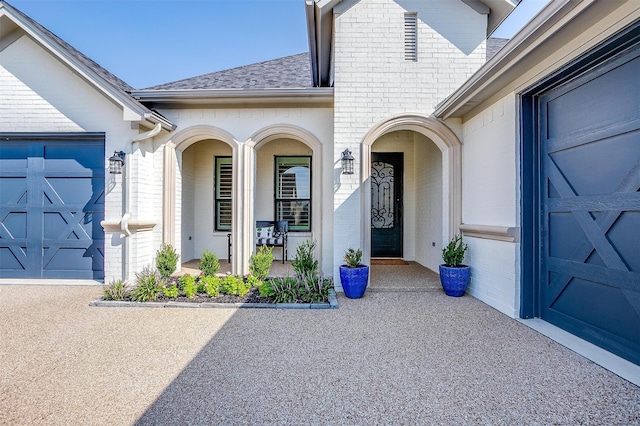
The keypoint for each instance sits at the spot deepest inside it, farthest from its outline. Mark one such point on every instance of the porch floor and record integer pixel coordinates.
(409, 277)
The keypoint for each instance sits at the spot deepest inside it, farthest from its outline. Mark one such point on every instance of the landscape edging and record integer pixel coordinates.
(331, 304)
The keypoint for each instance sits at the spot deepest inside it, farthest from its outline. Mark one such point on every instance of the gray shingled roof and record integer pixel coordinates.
(288, 72)
(494, 45)
(76, 54)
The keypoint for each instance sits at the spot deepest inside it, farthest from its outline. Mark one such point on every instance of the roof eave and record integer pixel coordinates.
(314, 95)
(482, 85)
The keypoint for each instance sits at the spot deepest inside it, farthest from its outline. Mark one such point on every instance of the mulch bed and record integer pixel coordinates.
(253, 296)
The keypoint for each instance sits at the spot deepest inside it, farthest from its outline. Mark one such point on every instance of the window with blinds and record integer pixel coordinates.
(293, 192)
(411, 37)
(223, 193)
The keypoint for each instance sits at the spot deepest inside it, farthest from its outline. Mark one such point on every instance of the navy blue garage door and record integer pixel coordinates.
(589, 144)
(51, 205)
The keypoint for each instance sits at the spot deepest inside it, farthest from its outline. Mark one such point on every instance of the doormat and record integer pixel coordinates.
(380, 261)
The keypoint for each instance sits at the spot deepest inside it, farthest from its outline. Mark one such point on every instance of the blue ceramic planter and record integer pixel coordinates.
(455, 280)
(354, 280)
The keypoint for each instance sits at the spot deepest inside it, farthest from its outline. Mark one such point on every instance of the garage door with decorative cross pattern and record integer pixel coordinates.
(590, 202)
(51, 206)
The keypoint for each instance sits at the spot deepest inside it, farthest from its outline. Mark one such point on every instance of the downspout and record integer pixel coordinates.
(124, 221)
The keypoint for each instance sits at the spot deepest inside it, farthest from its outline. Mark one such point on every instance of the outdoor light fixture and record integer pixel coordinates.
(347, 162)
(116, 163)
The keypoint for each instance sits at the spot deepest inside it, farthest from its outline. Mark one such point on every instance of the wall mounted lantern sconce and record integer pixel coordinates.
(347, 162)
(116, 162)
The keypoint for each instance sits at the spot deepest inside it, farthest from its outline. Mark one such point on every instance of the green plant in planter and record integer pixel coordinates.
(166, 260)
(353, 257)
(454, 276)
(453, 253)
(354, 276)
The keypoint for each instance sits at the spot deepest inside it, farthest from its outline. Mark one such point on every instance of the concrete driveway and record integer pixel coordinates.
(389, 358)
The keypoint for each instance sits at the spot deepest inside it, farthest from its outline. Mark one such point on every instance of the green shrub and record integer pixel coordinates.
(166, 260)
(116, 290)
(201, 286)
(148, 285)
(211, 285)
(209, 263)
(188, 285)
(453, 253)
(353, 257)
(252, 281)
(285, 289)
(313, 288)
(234, 285)
(304, 262)
(260, 262)
(186, 280)
(170, 291)
(265, 289)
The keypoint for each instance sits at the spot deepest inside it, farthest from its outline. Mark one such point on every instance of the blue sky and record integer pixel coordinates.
(148, 42)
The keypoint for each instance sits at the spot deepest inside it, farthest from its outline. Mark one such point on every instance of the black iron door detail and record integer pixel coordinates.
(386, 204)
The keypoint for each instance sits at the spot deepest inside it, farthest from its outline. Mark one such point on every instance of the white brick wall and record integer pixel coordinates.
(428, 194)
(490, 180)
(490, 188)
(495, 276)
(374, 82)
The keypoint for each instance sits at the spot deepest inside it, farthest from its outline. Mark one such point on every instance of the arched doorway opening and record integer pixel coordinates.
(200, 184)
(429, 202)
(287, 183)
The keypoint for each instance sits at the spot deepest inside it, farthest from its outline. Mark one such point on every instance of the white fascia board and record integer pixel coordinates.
(326, 5)
(315, 95)
(499, 10)
(132, 110)
(482, 85)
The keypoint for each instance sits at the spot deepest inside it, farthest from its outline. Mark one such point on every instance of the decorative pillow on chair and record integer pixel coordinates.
(264, 232)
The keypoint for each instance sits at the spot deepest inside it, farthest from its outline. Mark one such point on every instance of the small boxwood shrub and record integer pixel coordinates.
(260, 262)
(209, 263)
(166, 260)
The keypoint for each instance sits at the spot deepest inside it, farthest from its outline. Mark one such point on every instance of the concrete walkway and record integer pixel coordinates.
(389, 358)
